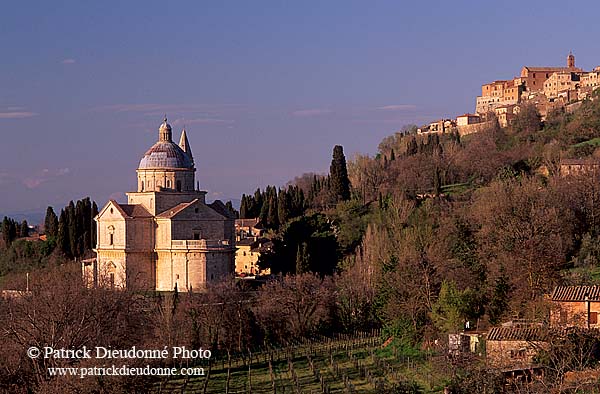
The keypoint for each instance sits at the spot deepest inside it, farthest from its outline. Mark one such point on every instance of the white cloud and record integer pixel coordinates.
(185, 122)
(161, 109)
(68, 61)
(311, 112)
(44, 176)
(398, 107)
(17, 114)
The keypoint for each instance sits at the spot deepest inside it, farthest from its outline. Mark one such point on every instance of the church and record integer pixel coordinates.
(166, 236)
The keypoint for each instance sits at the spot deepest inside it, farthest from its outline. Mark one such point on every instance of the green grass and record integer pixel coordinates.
(414, 369)
(456, 188)
(592, 273)
(593, 142)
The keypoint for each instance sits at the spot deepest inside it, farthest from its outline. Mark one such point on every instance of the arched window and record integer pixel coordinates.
(111, 267)
(142, 185)
(111, 235)
(168, 184)
(178, 186)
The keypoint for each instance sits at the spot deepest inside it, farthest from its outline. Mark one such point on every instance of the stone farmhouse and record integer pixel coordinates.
(575, 306)
(512, 349)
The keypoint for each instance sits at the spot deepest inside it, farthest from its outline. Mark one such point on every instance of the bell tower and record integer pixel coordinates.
(571, 60)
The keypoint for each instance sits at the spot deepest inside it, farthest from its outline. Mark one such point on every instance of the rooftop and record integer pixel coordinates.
(576, 293)
(516, 334)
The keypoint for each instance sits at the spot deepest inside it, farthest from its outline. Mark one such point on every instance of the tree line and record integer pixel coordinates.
(276, 206)
(12, 230)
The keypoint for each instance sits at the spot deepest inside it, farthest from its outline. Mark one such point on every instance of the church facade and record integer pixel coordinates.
(166, 236)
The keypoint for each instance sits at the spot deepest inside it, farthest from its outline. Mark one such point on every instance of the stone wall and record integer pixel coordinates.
(569, 314)
(512, 354)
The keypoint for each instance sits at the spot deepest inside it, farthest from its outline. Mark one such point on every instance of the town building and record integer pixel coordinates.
(531, 80)
(499, 93)
(248, 228)
(575, 306)
(166, 236)
(247, 253)
(467, 119)
(535, 77)
(506, 114)
(438, 127)
(512, 349)
(563, 83)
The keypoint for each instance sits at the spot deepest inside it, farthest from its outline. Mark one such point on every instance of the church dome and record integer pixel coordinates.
(165, 153)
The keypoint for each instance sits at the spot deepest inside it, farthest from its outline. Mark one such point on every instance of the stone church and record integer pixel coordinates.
(166, 236)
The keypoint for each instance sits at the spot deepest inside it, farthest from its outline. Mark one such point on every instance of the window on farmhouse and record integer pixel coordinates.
(593, 317)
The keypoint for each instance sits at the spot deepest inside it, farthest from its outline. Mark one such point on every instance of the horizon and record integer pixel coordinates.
(87, 86)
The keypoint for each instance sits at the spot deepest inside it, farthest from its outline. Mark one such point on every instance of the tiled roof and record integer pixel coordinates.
(579, 162)
(516, 334)
(554, 69)
(246, 242)
(246, 222)
(169, 213)
(576, 293)
(220, 208)
(135, 211)
(166, 154)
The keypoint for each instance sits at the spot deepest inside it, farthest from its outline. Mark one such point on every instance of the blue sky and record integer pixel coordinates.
(264, 88)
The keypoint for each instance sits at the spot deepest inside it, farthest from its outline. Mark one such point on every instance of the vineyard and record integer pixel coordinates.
(357, 364)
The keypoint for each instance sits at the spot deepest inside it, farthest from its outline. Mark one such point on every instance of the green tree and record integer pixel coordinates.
(244, 207)
(51, 223)
(63, 234)
(230, 208)
(302, 259)
(528, 120)
(9, 230)
(412, 148)
(454, 307)
(283, 206)
(322, 247)
(94, 228)
(24, 229)
(500, 297)
(340, 184)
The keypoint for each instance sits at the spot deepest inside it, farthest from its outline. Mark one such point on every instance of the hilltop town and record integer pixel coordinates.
(440, 264)
(547, 87)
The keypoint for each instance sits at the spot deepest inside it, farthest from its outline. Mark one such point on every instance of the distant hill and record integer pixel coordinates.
(33, 217)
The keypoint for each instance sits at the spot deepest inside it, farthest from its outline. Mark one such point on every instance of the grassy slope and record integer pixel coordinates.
(383, 365)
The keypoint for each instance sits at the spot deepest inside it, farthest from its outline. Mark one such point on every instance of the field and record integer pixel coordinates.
(343, 365)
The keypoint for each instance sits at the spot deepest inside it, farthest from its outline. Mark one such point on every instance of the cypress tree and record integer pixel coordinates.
(412, 148)
(71, 229)
(94, 227)
(437, 182)
(231, 209)
(243, 207)
(272, 216)
(302, 259)
(24, 229)
(258, 204)
(264, 212)
(5, 231)
(338, 175)
(283, 206)
(9, 230)
(51, 223)
(63, 234)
